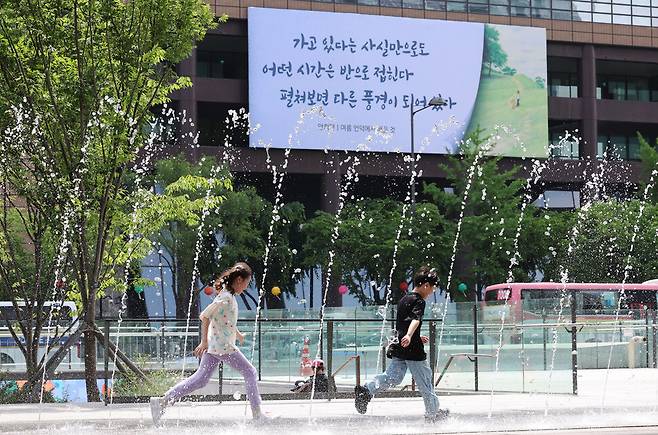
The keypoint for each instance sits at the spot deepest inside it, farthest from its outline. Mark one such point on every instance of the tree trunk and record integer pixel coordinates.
(90, 366)
(89, 341)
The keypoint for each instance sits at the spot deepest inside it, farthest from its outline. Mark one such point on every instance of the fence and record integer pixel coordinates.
(533, 346)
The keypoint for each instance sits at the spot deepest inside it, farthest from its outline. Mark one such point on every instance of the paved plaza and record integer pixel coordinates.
(630, 407)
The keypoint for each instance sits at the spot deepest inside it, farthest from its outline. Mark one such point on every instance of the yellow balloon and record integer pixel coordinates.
(276, 291)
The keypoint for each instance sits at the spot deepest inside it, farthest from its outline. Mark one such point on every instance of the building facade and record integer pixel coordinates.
(602, 86)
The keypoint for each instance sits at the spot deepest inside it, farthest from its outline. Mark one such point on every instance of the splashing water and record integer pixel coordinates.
(387, 297)
(469, 181)
(351, 176)
(627, 269)
(533, 179)
(595, 185)
(151, 146)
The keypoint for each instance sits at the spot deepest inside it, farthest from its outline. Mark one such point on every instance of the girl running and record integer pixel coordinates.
(219, 331)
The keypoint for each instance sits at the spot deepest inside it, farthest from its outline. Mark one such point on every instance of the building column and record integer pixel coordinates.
(187, 107)
(588, 87)
(330, 191)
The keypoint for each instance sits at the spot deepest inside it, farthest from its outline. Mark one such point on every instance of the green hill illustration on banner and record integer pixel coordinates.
(512, 92)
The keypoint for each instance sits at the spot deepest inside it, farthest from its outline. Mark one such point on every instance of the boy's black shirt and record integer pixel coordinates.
(411, 307)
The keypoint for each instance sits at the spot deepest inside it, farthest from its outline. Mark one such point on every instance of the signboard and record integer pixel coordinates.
(364, 72)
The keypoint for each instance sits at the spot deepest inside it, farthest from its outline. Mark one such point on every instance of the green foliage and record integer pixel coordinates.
(366, 240)
(491, 217)
(494, 55)
(244, 220)
(78, 83)
(601, 250)
(11, 393)
(156, 384)
(649, 158)
(541, 82)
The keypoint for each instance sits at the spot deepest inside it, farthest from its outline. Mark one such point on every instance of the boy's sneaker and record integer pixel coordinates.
(441, 415)
(362, 397)
(158, 405)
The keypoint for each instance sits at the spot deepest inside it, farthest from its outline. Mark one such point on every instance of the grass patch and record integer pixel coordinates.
(496, 105)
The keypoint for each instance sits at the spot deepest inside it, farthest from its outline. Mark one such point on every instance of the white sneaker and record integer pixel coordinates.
(265, 418)
(158, 405)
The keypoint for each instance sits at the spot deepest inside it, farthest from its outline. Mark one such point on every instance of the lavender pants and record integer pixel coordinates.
(206, 368)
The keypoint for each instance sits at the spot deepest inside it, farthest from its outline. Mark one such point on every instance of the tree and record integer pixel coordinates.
(649, 158)
(364, 251)
(492, 210)
(493, 55)
(603, 249)
(179, 238)
(78, 81)
(243, 221)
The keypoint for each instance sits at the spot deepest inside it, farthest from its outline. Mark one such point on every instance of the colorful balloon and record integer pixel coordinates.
(462, 287)
(208, 290)
(276, 291)
(404, 286)
(139, 289)
(342, 289)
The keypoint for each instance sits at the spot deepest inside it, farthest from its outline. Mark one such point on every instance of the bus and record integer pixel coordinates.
(11, 357)
(536, 300)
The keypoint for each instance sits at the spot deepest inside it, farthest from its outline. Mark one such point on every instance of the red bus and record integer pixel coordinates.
(532, 300)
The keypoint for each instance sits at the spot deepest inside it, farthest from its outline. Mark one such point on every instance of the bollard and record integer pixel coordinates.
(107, 357)
(632, 344)
(476, 367)
(574, 345)
(330, 346)
(432, 338)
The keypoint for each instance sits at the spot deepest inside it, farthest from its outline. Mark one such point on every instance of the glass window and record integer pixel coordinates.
(521, 12)
(412, 4)
(368, 2)
(499, 2)
(582, 16)
(620, 9)
(600, 146)
(582, 6)
(642, 21)
(541, 13)
(456, 7)
(621, 19)
(622, 2)
(601, 8)
(522, 3)
(435, 5)
(499, 10)
(221, 64)
(601, 18)
(641, 3)
(617, 89)
(642, 11)
(654, 22)
(633, 148)
(562, 5)
(541, 4)
(478, 9)
(654, 12)
(391, 3)
(562, 15)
